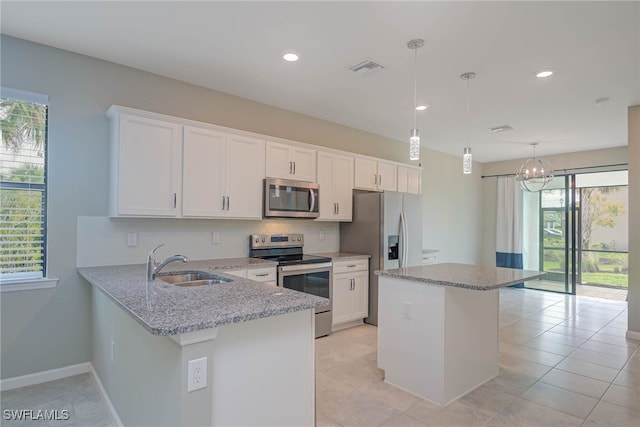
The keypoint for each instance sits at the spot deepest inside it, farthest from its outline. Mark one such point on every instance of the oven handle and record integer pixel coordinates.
(307, 268)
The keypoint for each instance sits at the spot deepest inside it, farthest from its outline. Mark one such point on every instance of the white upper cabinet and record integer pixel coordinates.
(222, 174)
(145, 166)
(245, 174)
(335, 176)
(371, 174)
(409, 179)
(290, 162)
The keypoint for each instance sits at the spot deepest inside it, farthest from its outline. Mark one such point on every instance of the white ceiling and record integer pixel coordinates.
(236, 47)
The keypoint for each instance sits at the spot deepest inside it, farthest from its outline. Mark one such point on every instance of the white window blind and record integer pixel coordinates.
(23, 198)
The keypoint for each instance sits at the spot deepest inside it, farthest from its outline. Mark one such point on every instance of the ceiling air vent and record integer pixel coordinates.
(366, 66)
(502, 128)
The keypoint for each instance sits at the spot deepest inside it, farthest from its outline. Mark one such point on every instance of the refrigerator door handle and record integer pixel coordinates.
(405, 237)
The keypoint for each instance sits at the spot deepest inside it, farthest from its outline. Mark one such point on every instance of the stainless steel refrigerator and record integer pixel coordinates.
(387, 226)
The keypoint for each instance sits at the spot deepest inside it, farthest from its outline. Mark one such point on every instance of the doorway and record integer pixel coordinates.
(576, 231)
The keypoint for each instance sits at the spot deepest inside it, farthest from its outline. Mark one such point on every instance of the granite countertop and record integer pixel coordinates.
(476, 277)
(342, 256)
(165, 309)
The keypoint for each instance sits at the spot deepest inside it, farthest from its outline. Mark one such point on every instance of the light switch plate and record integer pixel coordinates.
(132, 239)
(215, 237)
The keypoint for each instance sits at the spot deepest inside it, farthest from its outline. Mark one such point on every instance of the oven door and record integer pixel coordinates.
(312, 279)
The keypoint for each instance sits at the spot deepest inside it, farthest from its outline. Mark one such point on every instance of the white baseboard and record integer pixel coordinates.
(112, 410)
(58, 374)
(633, 335)
(43, 377)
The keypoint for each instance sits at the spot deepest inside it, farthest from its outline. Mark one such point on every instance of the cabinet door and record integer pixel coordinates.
(148, 170)
(245, 171)
(360, 295)
(325, 172)
(203, 172)
(343, 186)
(278, 163)
(341, 310)
(366, 174)
(304, 164)
(387, 176)
(409, 180)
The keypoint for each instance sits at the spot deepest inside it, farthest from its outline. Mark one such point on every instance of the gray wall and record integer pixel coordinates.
(47, 329)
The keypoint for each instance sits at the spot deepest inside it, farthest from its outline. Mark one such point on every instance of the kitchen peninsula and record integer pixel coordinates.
(438, 327)
(257, 342)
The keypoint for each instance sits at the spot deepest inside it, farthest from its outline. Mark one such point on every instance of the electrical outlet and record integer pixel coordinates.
(112, 350)
(406, 310)
(215, 237)
(197, 374)
(132, 239)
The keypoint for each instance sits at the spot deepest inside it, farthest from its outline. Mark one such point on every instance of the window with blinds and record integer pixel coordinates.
(23, 190)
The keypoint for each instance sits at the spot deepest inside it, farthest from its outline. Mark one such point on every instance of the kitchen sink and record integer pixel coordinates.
(191, 278)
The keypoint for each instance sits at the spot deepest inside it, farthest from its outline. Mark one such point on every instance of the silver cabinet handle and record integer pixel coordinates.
(262, 274)
(294, 168)
(380, 176)
(375, 179)
(338, 206)
(290, 167)
(228, 204)
(175, 197)
(224, 203)
(351, 265)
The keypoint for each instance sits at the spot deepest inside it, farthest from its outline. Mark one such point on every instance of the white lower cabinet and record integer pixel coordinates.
(350, 292)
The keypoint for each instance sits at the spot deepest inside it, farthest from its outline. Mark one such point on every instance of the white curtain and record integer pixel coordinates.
(509, 223)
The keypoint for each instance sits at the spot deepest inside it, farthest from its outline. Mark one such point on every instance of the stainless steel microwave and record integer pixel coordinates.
(284, 198)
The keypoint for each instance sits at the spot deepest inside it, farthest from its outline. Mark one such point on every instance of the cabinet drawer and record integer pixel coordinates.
(262, 274)
(352, 265)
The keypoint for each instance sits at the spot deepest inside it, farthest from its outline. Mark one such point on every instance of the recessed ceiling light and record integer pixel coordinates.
(544, 73)
(422, 107)
(291, 56)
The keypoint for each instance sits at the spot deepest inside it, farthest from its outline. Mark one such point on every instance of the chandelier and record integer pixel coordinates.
(534, 174)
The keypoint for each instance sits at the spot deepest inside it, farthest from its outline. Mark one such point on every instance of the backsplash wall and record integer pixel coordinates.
(103, 240)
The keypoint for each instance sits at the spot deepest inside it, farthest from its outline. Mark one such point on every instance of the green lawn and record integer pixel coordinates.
(611, 279)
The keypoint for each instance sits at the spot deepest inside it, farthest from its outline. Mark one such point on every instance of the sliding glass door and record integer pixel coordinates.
(549, 238)
(576, 231)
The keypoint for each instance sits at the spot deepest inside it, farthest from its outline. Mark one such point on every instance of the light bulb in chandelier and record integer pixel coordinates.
(414, 145)
(467, 161)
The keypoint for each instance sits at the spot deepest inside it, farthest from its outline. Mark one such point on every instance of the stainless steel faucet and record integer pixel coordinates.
(153, 267)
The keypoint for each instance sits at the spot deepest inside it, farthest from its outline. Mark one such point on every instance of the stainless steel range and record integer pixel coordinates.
(305, 273)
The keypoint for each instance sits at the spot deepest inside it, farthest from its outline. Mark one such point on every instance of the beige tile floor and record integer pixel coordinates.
(564, 362)
(78, 395)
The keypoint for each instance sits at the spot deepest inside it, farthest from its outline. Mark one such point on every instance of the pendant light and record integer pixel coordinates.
(467, 159)
(414, 140)
(534, 174)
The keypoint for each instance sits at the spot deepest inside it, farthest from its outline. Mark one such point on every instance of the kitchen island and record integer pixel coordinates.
(438, 327)
(257, 342)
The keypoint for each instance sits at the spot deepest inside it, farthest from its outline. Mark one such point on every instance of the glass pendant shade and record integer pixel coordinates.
(467, 161)
(414, 145)
(535, 174)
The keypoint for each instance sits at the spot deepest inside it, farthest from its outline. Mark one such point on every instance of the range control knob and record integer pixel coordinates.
(299, 239)
(263, 240)
(257, 239)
